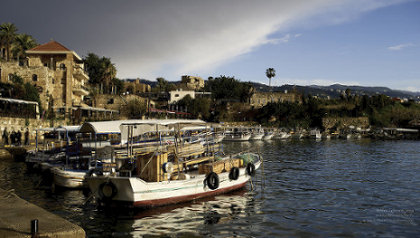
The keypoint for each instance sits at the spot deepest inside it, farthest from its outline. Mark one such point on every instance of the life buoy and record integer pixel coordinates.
(234, 173)
(212, 180)
(168, 167)
(250, 169)
(107, 190)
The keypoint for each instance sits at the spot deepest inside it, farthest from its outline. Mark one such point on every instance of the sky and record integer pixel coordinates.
(323, 42)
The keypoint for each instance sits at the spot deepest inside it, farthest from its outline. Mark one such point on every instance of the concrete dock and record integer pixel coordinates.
(16, 215)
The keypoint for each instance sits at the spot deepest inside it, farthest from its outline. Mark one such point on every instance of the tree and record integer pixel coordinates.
(270, 73)
(135, 109)
(23, 43)
(229, 89)
(162, 84)
(102, 72)
(8, 36)
(108, 73)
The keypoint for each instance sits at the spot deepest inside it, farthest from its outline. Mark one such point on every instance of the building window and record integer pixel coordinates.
(177, 95)
(53, 81)
(34, 77)
(62, 66)
(10, 77)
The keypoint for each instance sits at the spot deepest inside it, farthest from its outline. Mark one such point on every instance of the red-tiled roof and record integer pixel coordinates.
(50, 46)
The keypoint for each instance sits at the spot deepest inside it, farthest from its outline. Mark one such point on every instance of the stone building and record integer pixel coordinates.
(260, 99)
(136, 87)
(56, 71)
(192, 82)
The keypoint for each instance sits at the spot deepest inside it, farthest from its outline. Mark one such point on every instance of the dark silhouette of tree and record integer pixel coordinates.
(8, 36)
(270, 73)
(23, 43)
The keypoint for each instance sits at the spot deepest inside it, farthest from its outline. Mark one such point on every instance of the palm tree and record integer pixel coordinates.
(8, 36)
(109, 72)
(23, 43)
(162, 84)
(270, 73)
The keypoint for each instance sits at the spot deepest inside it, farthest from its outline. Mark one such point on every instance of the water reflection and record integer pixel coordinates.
(308, 188)
(191, 218)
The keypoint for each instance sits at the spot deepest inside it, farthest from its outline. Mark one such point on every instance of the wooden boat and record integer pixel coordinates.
(170, 175)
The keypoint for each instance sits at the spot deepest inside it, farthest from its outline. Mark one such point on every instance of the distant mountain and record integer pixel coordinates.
(335, 90)
(332, 91)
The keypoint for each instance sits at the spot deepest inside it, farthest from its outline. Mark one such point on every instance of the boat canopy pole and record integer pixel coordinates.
(36, 141)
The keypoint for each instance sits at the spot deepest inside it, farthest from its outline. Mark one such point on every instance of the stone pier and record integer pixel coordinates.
(16, 216)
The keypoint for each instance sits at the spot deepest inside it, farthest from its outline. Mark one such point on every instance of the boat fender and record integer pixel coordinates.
(95, 172)
(250, 169)
(168, 167)
(107, 190)
(212, 180)
(234, 173)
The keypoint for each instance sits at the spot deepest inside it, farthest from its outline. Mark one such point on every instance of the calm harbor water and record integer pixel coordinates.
(354, 188)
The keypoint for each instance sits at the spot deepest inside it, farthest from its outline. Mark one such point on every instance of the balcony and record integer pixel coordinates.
(80, 73)
(81, 91)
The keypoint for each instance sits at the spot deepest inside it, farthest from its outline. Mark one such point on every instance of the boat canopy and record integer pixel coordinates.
(60, 129)
(114, 127)
(140, 127)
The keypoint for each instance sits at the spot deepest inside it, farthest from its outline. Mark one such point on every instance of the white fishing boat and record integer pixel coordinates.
(257, 133)
(163, 177)
(69, 178)
(268, 135)
(315, 134)
(237, 134)
(51, 147)
(283, 135)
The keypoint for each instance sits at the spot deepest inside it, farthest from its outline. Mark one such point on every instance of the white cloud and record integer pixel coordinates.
(150, 38)
(400, 47)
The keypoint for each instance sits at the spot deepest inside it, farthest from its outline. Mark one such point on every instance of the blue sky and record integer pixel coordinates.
(353, 42)
(378, 48)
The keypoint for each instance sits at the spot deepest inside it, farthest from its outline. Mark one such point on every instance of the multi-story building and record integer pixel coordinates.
(56, 71)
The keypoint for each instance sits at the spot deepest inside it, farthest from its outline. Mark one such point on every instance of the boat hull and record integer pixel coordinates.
(69, 178)
(135, 192)
(237, 137)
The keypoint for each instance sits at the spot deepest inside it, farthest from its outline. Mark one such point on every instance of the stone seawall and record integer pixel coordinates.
(15, 123)
(344, 122)
(15, 221)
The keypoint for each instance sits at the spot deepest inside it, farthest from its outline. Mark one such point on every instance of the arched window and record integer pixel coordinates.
(10, 77)
(53, 81)
(34, 77)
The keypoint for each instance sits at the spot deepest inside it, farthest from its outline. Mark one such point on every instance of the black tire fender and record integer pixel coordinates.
(234, 173)
(250, 169)
(212, 180)
(107, 190)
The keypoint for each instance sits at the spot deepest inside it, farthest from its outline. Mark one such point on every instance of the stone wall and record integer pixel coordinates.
(344, 122)
(260, 99)
(192, 82)
(136, 87)
(12, 123)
